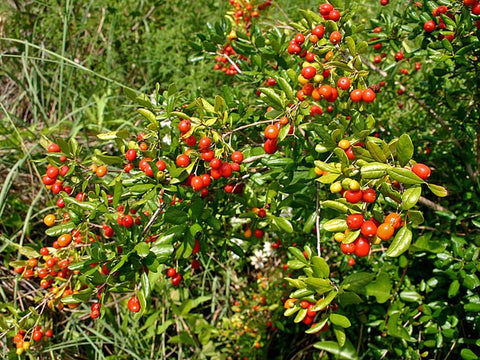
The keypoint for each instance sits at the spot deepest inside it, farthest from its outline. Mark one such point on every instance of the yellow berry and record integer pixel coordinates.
(302, 80)
(339, 237)
(344, 144)
(318, 171)
(354, 185)
(336, 187)
(49, 220)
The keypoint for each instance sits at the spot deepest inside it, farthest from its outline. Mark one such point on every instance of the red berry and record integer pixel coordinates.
(308, 72)
(315, 110)
(197, 183)
(52, 148)
(399, 56)
(335, 37)
(258, 233)
(270, 146)
(318, 31)
(134, 304)
(237, 157)
(171, 272)
(343, 83)
(355, 221)
(300, 38)
(325, 9)
(421, 170)
(271, 132)
(369, 195)
(362, 247)
(131, 155)
(204, 143)
(353, 197)
(356, 95)
(37, 335)
(184, 126)
(368, 95)
(347, 248)
(429, 26)
(369, 229)
(183, 160)
(334, 15)
(52, 172)
(177, 279)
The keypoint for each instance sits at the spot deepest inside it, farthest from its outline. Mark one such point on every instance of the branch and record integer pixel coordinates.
(431, 204)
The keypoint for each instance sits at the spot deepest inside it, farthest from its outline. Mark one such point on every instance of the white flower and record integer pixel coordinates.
(258, 259)
(268, 249)
(166, 139)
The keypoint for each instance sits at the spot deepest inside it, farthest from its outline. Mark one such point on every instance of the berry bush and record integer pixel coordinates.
(332, 183)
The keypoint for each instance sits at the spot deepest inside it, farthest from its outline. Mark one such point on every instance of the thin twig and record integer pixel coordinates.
(154, 217)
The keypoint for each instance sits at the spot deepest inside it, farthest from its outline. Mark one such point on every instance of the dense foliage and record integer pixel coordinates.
(321, 203)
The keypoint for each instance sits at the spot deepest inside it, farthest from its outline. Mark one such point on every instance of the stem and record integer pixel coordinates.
(154, 217)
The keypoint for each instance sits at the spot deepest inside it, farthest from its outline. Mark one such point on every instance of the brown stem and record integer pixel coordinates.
(431, 204)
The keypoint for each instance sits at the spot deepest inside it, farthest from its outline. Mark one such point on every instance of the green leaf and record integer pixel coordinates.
(176, 216)
(322, 304)
(326, 167)
(335, 205)
(374, 170)
(340, 335)
(60, 229)
(81, 296)
(142, 249)
(404, 149)
(468, 354)
(410, 197)
(416, 217)
(321, 286)
(328, 178)
(28, 252)
(401, 242)
(357, 282)
(440, 191)
(351, 45)
(320, 267)
(310, 223)
(301, 293)
(286, 87)
(298, 254)
(349, 298)
(296, 264)
(282, 224)
(410, 296)
(404, 176)
(271, 97)
(340, 320)
(150, 116)
(376, 152)
(346, 352)
(424, 243)
(317, 327)
(351, 236)
(395, 327)
(300, 315)
(453, 288)
(335, 225)
(380, 288)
